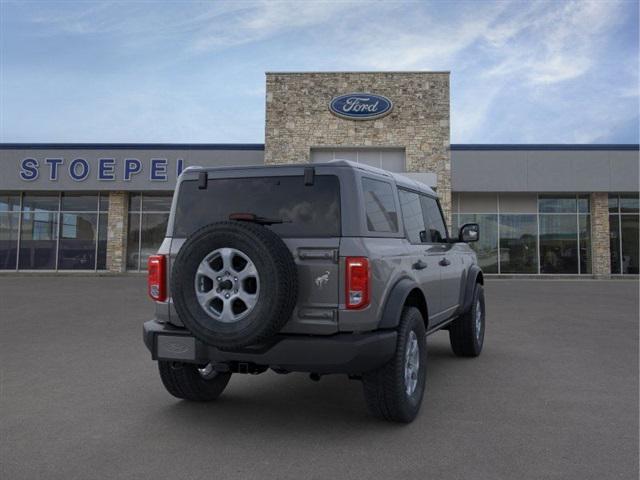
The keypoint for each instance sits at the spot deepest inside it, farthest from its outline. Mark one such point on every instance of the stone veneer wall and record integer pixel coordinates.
(117, 231)
(298, 119)
(600, 247)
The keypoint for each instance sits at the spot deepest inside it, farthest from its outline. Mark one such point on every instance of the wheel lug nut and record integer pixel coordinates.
(235, 279)
(226, 295)
(218, 278)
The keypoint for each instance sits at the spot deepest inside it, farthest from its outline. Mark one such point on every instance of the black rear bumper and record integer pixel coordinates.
(349, 353)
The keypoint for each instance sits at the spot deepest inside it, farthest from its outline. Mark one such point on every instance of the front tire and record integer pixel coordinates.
(466, 333)
(189, 382)
(394, 391)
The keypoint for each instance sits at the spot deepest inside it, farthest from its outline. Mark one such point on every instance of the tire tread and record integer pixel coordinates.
(383, 388)
(461, 331)
(185, 382)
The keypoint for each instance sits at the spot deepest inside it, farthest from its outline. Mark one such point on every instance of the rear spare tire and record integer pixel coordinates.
(234, 284)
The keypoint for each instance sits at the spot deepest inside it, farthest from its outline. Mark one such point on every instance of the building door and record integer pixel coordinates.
(391, 159)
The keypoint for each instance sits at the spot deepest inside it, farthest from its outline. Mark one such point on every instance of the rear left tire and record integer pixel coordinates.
(190, 382)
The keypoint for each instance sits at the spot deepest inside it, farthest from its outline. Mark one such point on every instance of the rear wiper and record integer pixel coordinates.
(253, 218)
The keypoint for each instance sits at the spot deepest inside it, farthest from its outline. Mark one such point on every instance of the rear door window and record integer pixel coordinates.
(305, 210)
(436, 230)
(380, 206)
(411, 215)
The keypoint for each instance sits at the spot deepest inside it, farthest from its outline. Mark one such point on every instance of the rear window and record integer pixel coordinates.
(306, 211)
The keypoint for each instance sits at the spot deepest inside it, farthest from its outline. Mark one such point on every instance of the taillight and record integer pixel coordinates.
(157, 277)
(357, 281)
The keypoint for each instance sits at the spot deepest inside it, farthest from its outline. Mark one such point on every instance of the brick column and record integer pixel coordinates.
(600, 250)
(117, 231)
(444, 194)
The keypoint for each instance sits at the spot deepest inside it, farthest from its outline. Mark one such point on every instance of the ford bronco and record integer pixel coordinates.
(322, 268)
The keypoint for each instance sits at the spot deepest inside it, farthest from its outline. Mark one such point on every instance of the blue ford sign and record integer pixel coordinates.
(360, 106)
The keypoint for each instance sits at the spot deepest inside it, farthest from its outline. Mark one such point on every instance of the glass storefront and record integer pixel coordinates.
(520, 233)
(518, 243)
(148, 217)
(623, 233)
(487, 247)
(529, 233)
(53, 231)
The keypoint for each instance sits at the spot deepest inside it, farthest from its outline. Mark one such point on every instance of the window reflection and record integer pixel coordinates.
(487, 247)
(614, 243)
(154, 228)
(8, 240)
(557, 204)
(38, 240)
(148, 218)
(558, 244)
(77, 248)
(585, 243)
(630, 246)
(133, 242)
(518, 244)
(623, 233)
(9, 202)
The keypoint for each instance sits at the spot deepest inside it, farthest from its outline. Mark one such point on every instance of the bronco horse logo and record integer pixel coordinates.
(322, 280)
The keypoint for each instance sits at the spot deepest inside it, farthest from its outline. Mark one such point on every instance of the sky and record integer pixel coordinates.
(179, 71)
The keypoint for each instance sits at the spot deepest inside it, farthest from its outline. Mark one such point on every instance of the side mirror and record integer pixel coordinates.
(469, 232)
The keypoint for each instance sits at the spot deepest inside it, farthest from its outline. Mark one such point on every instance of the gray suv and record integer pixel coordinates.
(326, 268)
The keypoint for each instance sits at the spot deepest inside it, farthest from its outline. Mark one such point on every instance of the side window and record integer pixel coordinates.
(380, 206)
(411, 215)
(436, 230)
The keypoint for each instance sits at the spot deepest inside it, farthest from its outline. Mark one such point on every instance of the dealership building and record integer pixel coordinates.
(542, 209)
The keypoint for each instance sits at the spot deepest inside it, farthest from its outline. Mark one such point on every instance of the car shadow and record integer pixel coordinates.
(283, 402)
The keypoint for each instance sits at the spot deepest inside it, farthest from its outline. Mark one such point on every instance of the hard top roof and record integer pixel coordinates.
(398, 178)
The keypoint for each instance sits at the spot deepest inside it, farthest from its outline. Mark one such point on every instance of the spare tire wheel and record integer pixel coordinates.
(234, 284)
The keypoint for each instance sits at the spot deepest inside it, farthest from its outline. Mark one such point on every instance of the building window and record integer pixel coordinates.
(9, 229)
(487, 247)
(623, 233)
(83, 232)
(391, 159)
(558, 244)
(148, 218)
(528, 233)
(518, 243)
(53, 231)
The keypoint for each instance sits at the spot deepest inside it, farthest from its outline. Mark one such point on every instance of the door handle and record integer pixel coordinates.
(419, 265)
(444, 262)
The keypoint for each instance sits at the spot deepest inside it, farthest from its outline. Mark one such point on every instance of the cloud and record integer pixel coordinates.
(545, 43)
(521, 71)
(256, 21)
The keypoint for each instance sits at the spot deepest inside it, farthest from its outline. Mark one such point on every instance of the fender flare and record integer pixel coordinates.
(474, 276)
(395, 303)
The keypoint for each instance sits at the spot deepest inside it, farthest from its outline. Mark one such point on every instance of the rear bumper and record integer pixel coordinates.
(341, 353)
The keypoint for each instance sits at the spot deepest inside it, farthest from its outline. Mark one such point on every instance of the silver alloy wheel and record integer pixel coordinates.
(411, 364)
(227, 285)
(478, 320)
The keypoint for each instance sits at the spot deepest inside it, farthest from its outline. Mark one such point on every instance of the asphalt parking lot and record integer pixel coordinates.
(554, 395)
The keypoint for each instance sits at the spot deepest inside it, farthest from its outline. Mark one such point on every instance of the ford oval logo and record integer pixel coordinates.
(360, 106)
(177, 347)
